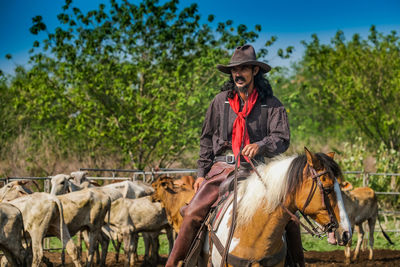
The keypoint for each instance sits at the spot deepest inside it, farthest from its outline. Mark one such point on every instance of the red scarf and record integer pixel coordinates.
(239, 123)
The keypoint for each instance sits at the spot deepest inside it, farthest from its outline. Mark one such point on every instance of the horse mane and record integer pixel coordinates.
(281, 177)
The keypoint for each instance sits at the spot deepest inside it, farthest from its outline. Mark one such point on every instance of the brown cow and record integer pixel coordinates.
(361, 205)
(172, 198)
(186, 181)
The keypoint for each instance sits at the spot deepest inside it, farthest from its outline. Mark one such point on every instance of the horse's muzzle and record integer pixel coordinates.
(339, 238)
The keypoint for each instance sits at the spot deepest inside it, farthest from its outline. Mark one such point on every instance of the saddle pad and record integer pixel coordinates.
(220, 211)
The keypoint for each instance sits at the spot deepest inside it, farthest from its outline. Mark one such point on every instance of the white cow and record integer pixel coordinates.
(14, 190)
(131, 216)
(11, 235)
(43, 216)
(86, 210)
(63, 183)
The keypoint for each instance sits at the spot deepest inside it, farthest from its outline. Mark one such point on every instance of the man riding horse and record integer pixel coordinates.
(244, 122)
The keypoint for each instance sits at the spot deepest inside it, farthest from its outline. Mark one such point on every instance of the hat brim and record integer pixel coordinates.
(227, 68)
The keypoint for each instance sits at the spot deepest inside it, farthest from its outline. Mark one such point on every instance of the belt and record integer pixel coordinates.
(230, 159)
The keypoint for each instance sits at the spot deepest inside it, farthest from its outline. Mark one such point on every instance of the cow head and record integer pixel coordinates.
(163, 185)
(79, 177)
(60, 184)
(14, 190)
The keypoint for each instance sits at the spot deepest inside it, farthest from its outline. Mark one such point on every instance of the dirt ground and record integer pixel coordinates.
(389, 258)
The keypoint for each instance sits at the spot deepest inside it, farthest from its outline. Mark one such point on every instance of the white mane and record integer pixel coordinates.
(253, 193)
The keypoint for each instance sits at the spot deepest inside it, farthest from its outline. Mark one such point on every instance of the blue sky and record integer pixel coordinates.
(290, 21)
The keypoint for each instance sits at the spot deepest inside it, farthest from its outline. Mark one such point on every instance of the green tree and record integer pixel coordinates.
(352, 87)
(133, 78)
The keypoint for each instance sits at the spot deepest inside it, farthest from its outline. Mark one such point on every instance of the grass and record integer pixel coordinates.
(315, 244)
(309, 243)
(56, 243)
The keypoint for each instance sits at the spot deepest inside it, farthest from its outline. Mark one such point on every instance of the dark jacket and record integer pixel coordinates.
(271, 134)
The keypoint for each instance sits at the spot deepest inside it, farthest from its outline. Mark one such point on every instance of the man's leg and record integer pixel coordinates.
(295, 247)
(195, 213)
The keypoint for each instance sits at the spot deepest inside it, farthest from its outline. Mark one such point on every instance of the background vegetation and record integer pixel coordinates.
(127, 86)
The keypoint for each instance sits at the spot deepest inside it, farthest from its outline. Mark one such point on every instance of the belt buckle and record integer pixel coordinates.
(230, 159)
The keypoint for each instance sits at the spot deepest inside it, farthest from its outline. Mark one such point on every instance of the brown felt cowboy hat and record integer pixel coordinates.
(244, 55)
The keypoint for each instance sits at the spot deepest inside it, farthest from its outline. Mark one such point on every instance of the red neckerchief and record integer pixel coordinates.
(240, 121)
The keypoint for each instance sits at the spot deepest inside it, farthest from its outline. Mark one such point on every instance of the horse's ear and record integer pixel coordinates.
(331, 154)
(310, 157)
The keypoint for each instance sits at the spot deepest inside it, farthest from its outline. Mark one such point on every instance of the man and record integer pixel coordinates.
(243, 122)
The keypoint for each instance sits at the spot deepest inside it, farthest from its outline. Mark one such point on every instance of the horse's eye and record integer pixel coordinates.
(328, 190)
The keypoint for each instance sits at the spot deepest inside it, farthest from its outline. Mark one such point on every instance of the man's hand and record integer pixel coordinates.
(197, 183)
(250, 150)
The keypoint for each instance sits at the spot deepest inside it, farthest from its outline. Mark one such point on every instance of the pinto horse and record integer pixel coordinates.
(267, 200)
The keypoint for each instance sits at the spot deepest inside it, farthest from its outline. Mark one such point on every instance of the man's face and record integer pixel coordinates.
(243, 76)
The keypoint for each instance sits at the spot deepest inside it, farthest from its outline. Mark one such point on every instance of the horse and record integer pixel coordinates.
(267, 200)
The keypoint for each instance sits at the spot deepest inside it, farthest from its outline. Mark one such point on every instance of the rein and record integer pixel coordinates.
(225, 254)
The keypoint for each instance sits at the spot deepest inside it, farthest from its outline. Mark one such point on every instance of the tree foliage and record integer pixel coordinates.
(351, 87)
(135, 78)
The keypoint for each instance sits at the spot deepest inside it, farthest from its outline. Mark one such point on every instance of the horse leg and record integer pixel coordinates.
(360, 230)
(371, 225)
(294, 246)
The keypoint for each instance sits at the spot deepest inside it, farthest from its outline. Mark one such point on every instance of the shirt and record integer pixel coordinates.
(272, 135)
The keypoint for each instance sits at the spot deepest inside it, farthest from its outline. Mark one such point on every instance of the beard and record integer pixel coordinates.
(244, 88)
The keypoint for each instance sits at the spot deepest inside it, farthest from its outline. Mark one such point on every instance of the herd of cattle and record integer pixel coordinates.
(118, 212)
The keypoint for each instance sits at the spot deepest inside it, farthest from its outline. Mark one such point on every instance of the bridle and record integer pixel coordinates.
(325, 192)
(317, 231)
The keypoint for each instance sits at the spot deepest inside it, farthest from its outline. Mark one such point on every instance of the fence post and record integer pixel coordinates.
(47, 189)
(365, 179)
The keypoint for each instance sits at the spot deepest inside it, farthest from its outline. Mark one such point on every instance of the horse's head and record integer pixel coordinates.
(319, 195)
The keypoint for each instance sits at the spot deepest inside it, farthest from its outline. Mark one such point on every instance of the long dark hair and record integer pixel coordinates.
(260, 82)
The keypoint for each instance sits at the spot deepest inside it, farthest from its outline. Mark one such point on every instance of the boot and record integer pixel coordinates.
(294, 246)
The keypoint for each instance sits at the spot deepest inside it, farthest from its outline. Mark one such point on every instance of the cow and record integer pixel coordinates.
(361, 205)
(43, 216)
(86, 210)
(131, 216)
(14, 190)
(12, 234)
(63, 183)
(172, 198)
(186, 181)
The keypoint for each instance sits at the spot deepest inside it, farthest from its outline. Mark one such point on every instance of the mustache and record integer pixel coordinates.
(239, 78)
